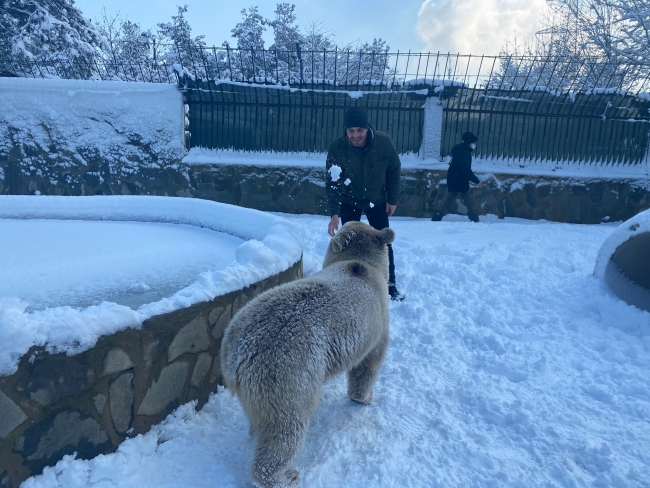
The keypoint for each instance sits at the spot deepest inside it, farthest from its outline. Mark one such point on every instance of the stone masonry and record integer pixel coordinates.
(89, 403)
(302, 190)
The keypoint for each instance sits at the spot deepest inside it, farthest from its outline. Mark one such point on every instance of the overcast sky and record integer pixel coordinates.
(466, 26)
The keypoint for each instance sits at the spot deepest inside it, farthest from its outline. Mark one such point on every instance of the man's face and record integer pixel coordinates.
(357, 136)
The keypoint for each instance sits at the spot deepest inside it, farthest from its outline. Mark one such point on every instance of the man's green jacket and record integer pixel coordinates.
(362, 176)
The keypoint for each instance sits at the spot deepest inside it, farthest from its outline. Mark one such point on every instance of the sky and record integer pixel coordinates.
(466, 26)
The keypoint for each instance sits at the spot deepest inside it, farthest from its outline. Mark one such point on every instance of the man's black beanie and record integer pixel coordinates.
(468, 138)
(356, 117)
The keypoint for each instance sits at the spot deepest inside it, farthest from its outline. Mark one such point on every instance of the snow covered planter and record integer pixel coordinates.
(84, 379)
(624, 261)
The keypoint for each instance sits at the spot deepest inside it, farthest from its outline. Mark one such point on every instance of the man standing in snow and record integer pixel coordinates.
(458, 177)
(363, 175)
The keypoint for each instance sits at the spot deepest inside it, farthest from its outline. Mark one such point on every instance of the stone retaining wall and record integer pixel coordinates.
(302, 190)
(89, 403)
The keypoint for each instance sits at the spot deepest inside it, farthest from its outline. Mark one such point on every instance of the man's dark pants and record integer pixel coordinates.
(377, 218)
(468, 201)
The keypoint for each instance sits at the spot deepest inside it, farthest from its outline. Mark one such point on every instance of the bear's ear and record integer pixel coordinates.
(337, 246)
(386, 236)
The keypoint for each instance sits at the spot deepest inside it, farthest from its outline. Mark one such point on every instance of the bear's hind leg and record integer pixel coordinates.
(276, 447)
(362, 377)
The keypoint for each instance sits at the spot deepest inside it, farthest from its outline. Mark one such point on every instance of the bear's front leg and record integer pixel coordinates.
(362, 377)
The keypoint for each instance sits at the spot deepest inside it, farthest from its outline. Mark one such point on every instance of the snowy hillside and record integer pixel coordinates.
(510, 365)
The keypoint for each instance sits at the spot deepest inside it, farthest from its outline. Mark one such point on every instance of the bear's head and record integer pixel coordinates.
(360, 242)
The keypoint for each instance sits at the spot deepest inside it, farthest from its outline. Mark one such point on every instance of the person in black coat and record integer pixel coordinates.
(458, 177)
(367, 180)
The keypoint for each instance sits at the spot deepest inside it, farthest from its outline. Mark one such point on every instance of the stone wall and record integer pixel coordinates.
(89, 403)
(302, 190)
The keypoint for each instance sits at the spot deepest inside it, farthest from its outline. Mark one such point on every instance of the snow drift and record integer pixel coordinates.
(624, 261)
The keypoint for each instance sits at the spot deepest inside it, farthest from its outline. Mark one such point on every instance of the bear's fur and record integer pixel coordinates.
(280, 349)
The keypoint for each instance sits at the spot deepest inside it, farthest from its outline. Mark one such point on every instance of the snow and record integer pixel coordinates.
(510, 99)
(611, 274)
(556, 169)
(606, 91)
(638, 224)
(354, 94)
(272, 246)
(335, 172)
(86, 263)
(436, 82)
(125, 124)
(432, 129)
(507, 366)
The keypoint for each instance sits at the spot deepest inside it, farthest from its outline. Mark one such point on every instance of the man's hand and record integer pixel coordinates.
(390, 209)
(333, 226)
(479, 184)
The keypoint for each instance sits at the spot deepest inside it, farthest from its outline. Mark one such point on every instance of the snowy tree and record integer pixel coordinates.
(128, 54)
(179, 48)
(633, 34)
(371, 62)
(320, 54)
(250, 30)
(286, 37)
(286, 33)
(250, 61)
(47, 38)
(313, 51)
(586, 44)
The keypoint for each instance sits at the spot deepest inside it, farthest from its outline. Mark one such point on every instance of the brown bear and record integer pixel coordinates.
(280, 349)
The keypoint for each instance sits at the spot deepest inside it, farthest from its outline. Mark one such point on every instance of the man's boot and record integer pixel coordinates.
(394, 293)
(437, 216)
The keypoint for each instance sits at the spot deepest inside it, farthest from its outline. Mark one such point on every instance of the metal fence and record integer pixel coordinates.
(163, 63)
(524, 108)
(542, 126)
(271, 118)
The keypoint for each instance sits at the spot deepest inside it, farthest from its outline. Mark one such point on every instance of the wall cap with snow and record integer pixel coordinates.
(82, 388)
(623, 261)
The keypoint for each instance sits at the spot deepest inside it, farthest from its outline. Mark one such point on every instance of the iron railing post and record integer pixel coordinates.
(299, 52)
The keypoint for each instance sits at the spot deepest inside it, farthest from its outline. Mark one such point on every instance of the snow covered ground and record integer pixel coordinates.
(510, 365)
(53, 263)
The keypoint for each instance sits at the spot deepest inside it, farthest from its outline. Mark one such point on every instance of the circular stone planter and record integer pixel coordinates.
(86, 394)
(624, 261)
